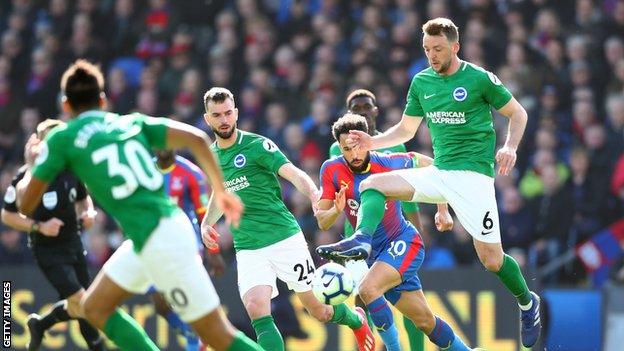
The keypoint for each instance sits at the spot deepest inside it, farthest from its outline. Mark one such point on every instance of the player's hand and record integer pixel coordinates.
(31, 149)
(87, 218)
(210, 237)
(359, 140)
(340, 199)
(506, 158)
(443, 221)
(231, 206)
(217, 264)
(51, 227)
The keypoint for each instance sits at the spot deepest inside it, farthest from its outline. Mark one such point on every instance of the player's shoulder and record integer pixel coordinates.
(478, 72)
(332, 163)
(424, 74)
(256, 141)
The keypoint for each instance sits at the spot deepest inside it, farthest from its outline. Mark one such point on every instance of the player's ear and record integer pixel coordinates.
(65, 104)
(236, 113)
(102, 101)
(455, 47)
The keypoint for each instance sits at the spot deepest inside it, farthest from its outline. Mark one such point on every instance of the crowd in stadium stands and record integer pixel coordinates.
(291, 63)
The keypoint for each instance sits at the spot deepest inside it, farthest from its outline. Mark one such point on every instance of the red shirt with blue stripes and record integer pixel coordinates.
(186, 184)
(335, 173)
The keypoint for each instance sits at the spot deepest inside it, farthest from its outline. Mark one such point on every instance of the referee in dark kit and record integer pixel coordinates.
(54, 238)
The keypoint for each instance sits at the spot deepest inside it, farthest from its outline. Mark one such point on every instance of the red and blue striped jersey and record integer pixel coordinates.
(335, 173)
(186, 184)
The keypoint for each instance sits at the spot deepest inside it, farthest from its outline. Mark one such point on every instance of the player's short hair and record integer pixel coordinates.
(350, 121)
(46, 126)
(82, 84)
(361, 93)
(217, 95)
(442, 26)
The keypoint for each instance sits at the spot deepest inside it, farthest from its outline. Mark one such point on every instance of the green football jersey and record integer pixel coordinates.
(250, 169)
(408, 207)
(457, 109)
(112, 156)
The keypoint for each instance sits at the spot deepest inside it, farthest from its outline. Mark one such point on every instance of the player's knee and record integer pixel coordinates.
(369, 292)
(257, 307)
(322, 312)
(491, 260)
(368, 183)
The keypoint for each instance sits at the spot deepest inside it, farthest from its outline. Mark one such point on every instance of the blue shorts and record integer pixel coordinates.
(406, 254)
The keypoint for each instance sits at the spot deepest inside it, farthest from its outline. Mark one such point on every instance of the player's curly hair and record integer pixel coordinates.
(442, 26)
(218, 95)
(360, 93)
(83, 85)
(350, 121)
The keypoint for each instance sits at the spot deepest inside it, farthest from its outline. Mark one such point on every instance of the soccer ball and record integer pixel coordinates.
(332, 284)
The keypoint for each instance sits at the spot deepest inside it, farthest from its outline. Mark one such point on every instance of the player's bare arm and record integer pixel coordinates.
(506, 156)
(180, 135)
(329, 210)
(301, 180)
(400, 133)
(208, 233)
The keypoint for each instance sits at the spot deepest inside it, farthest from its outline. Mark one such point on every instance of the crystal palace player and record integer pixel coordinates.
(397, 248)
(455, 97)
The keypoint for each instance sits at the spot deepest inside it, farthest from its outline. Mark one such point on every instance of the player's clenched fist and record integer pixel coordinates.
(231, 206)
(210, 237)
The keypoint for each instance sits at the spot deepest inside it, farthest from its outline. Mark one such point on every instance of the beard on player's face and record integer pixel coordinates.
(224, 131)
(358, 164)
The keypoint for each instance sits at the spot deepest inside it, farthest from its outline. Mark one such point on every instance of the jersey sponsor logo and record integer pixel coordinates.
(353, 204)
(493, 78)
(344, 184)
(49, 200)
(43, 153)
(446, 117)
(460, 94)
(428, 96)
(236, 184)
(239, 161)
(269, 146)
(10, 195)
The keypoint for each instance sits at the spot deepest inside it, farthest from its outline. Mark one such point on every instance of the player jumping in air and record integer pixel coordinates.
(364, 103)
(455, 97)
(269, 243)
(397, 248)
(112, 155)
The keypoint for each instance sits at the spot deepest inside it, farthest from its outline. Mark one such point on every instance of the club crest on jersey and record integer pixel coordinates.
(460, 94)
(239, 161)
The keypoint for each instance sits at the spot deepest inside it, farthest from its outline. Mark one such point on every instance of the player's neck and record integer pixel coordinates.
(453, 68)
(223, 143)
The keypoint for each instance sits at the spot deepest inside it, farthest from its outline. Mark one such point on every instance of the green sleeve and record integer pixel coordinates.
(413, 106)
(155, 130)
(348, 230)
(52, 159)
(494, 92)
(270, 156)
(334, 150)
(410, 207)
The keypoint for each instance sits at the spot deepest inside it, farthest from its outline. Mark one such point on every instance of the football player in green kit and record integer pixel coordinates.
(112, 155)
(269, 243)
(455, 97)
(364, 103)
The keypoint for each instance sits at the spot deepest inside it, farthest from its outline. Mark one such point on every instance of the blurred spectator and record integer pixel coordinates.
(516, 220)
(13, 249)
